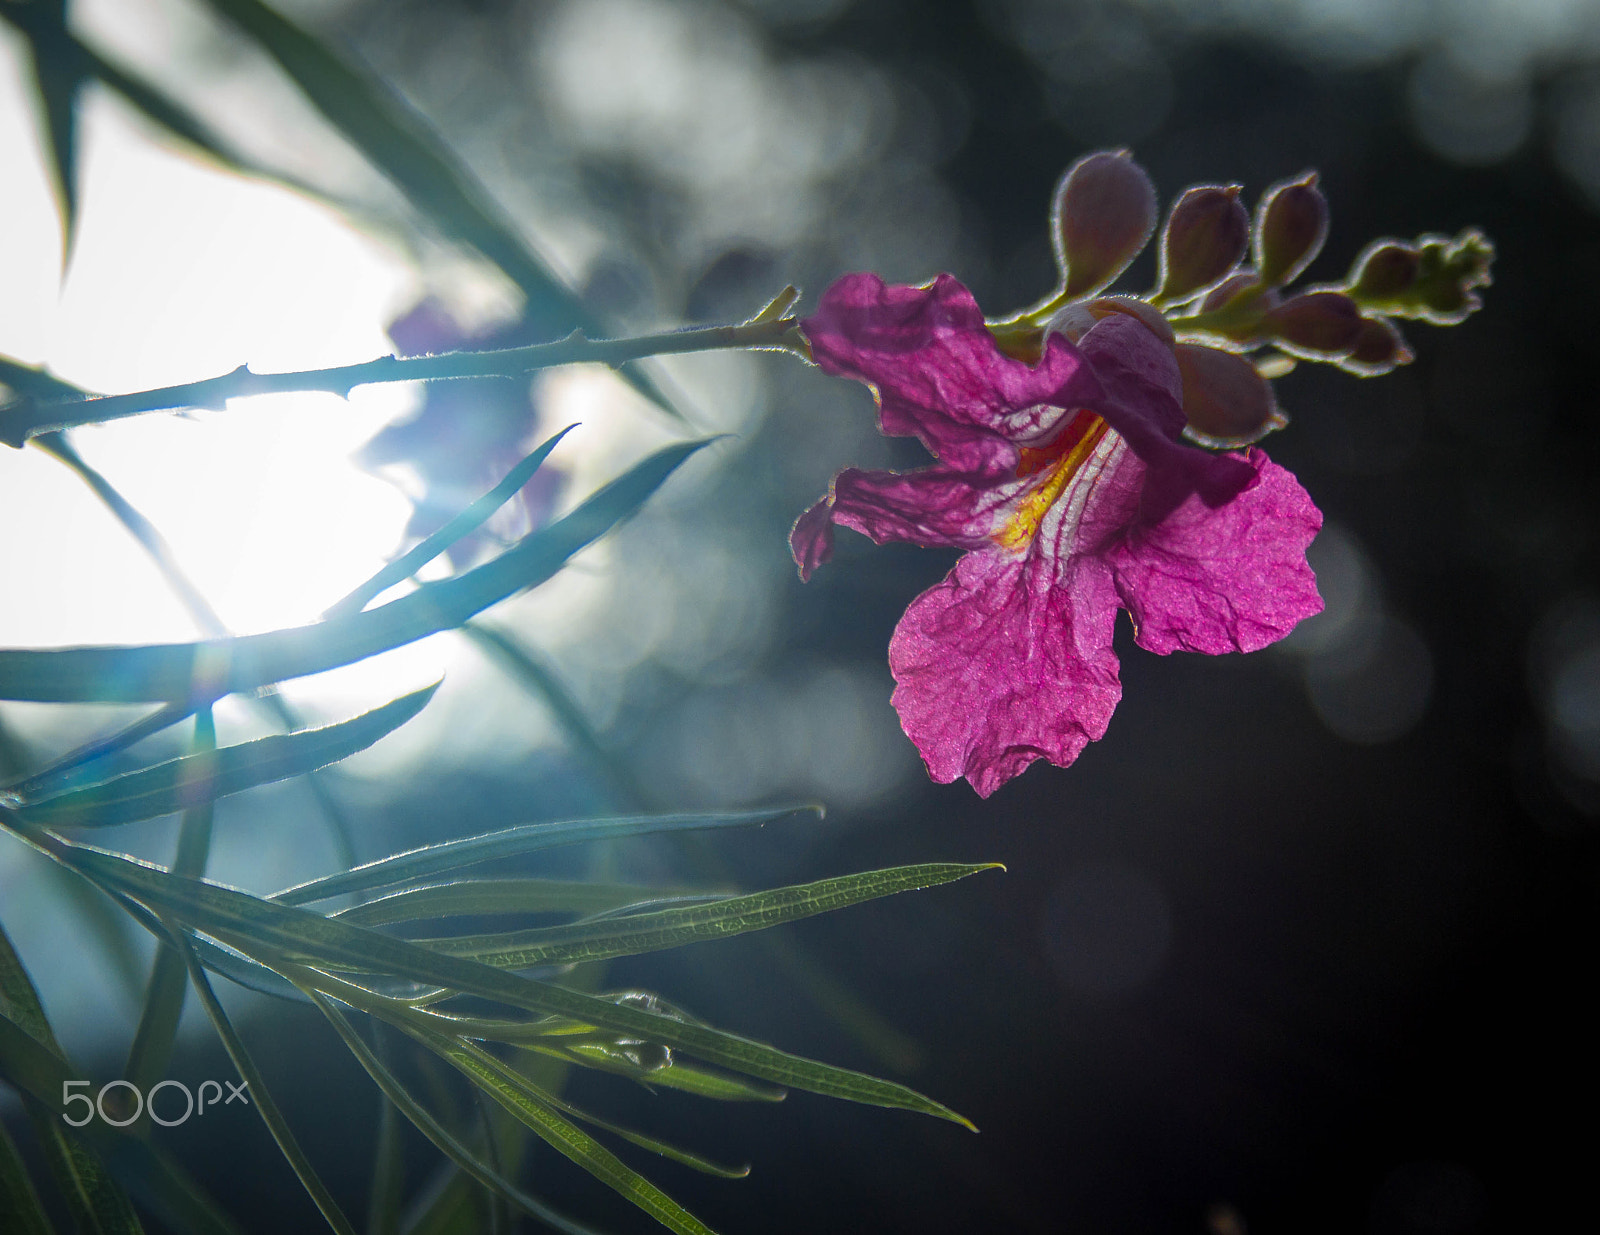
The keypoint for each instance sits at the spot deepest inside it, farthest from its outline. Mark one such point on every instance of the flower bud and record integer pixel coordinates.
(1232, 288)
(1153, 318)
(1206, 236)
(1379, 348)
(1103, 214)
(1225, 401)
(1385, 271)
(1316, 324)
(1291, 224)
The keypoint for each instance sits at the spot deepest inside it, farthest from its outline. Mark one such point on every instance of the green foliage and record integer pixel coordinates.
(204, 777)
(207, 671)
(460, 1000)
(342, 958)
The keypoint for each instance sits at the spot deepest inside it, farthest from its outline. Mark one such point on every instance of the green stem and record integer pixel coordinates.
(29, 416)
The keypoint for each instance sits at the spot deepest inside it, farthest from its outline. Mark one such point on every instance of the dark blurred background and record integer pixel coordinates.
(1301, 944)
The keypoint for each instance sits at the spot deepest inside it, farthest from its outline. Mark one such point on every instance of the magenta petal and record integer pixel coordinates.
(1007, 661)
(1144, 403)
(1231, 578)
(938, 373)
(933, 507)
(811, 538)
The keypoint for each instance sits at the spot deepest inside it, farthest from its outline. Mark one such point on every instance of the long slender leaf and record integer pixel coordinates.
(671, 928)
(163, 1005)
(32, 1059)
(59, 77)
(491, 896)
(251, 924)
(400, 143)
(81, 61)
(242, 971)
(200, 778)
(63, 768)
(208, 670)
(386, 1195)
(510, 1090)
(261, 1098)
(419, 864)
(464, 524)
(686, 1157)
(431, 1128)
(169, 114)
(724, 1087)
(18, 1200)
(41, 383)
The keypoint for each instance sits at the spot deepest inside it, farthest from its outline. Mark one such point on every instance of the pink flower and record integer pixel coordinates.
(1069, 487)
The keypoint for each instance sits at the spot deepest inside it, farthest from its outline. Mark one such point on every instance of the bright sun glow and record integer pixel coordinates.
(182, 272)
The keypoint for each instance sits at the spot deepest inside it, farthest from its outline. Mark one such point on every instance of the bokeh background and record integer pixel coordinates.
(1300, 945)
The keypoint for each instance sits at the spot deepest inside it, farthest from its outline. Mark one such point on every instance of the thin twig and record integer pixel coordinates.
(29, 416)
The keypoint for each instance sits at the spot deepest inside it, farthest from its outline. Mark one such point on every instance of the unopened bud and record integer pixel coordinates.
(1385, 271)
(1379, 348)
(1153, 318)
(1291, 224)
(1316, 324)
(1206, 236)
(1235, 287)
(1225, 401)
(1103, 214)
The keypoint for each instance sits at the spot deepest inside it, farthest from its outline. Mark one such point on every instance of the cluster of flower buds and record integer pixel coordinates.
(1221, 297)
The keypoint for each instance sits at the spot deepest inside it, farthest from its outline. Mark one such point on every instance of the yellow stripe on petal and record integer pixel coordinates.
(1059, 462)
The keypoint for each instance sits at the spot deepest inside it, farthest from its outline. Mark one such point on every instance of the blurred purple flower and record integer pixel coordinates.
(1067, 484)
(466, 436)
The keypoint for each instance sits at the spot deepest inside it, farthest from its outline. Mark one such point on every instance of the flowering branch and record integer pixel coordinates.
(30, 416)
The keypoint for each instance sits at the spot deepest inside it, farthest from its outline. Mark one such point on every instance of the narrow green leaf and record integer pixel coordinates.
(165, 111)
(200, 778)
(415, 865)
(31, 1058)
(242, 971)
(18, 1200)
(464, 524)
(208, 670)
(38, 1071)
(261, 1098)
(671, 928)
(396, 140)
(59, 75)
(490, 896)
(679, 1074)
(431, 1128)
(63, 768)
(686, 1157)
(254, 925)
(163, 1005)
(400, 144)
(386, 1194)
(546, 1122)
